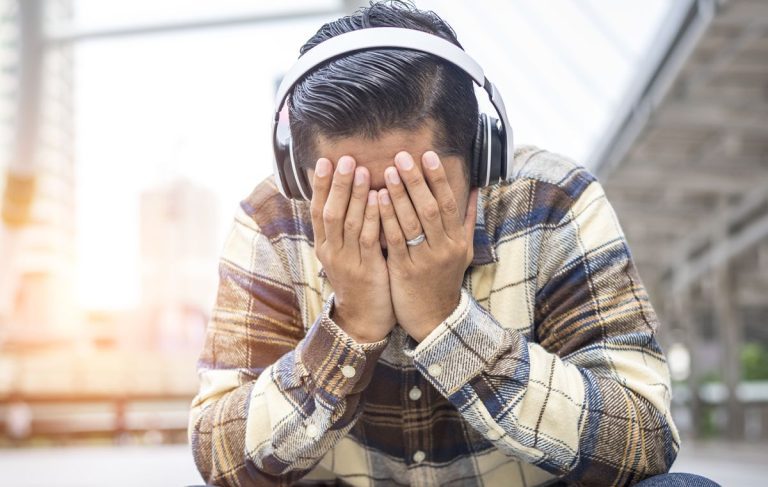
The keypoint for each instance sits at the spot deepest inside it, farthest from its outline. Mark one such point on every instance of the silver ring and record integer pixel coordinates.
(416, 240)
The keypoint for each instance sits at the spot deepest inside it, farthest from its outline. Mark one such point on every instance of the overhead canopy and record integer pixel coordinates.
(689, 176)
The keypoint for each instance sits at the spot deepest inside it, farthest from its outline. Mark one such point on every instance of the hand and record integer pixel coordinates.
(345, 218)
(425, 279)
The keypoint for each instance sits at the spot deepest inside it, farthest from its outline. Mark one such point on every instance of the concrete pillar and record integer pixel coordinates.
(730, 329)
(682, 309)
(29, 82)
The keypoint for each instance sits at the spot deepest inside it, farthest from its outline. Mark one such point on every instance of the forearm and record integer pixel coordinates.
(586, 415)
(276, 427)
(249, 437)
(218, 436)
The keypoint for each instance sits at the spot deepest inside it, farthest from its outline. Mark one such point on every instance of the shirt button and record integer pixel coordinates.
(493, 435)
(312, 430)
(419, 456)
(348, 371)
(435, 370)
(415, 394)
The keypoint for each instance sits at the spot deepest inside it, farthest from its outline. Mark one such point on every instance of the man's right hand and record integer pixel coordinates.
(345, 218)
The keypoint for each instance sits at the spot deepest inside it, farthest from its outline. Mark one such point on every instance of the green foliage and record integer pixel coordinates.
(711, 376)
(754, 362)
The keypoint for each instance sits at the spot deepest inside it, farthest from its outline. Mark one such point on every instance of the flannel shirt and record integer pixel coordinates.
(548, 371)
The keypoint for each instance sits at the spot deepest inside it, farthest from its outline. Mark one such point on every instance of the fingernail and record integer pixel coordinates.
(322, 168)
(392, 175)
(371, 197)
(384, 196)
(359, 177)
(431, 160)
(404, 161)
(346, 165)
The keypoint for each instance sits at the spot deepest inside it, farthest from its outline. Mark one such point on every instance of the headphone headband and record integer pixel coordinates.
(395, 37)
(364, 39)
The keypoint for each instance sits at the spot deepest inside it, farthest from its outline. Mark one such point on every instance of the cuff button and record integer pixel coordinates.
(348, 371)
(312, 430)
(435, 370)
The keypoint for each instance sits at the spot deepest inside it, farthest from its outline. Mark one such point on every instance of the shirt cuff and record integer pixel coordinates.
(336, 364)
(461, 347)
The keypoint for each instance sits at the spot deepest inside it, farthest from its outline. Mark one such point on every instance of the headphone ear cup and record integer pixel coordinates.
(498, 155)
(281, 144)
(477, 165)
(290, 178)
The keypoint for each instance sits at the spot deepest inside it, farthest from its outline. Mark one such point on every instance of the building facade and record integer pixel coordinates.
(37, 235)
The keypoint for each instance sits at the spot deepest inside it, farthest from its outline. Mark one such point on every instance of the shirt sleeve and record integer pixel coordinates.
(272, 399)
(590, 401)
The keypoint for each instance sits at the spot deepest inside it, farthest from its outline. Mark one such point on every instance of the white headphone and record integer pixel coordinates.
(493, 149)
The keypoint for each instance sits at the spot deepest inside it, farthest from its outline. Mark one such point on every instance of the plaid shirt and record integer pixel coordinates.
(548, 369)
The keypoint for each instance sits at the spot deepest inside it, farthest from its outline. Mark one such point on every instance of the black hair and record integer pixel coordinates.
(369, 92)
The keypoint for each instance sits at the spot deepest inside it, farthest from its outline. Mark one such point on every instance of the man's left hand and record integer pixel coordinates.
(425, 279)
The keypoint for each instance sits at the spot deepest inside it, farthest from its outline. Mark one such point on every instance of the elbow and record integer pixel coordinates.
(225, 470)
(627, 460)
(659, 449)
(657, 438)
(202, 451)
(214, 465)
(626, 445)
(653, 444)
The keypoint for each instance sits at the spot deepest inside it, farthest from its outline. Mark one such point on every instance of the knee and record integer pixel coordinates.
(677, 479)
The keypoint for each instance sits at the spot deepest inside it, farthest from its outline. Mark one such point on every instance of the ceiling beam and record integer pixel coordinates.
(64, 37)
(732, 232)
(674, 44)
(708, 115)
(753, 31)
(724, 178)
(736, 14)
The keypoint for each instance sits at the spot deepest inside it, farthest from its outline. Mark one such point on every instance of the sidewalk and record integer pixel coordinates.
(737, 464)
(145, 466)
(171, 465)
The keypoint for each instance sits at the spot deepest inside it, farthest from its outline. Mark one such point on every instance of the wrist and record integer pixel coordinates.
(428, 323)
(352, 327)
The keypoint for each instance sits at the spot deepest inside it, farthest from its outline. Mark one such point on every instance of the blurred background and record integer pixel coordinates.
(129, 132)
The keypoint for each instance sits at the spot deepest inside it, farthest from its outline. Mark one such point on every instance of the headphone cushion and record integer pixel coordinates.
(477, 152)
(496, 146)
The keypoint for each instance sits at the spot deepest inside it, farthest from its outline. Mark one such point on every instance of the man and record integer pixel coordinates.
(405, 329)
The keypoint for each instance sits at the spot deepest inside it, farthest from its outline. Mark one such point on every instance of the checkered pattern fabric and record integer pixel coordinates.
(547, 371)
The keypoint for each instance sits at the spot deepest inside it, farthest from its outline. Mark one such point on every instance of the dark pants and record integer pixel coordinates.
(665, 480)
(677, 479)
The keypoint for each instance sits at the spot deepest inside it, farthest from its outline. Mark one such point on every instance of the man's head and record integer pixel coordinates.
(373, 104)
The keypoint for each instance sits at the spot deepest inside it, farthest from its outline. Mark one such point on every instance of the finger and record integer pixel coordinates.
(406, 214)
(370, 248)
(321, 184)
(356, 209)
(470, 219)
(446, 200)
(423, 201)
(335, 210)
(395, 240)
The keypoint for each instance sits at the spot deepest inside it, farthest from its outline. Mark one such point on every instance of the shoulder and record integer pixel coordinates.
(543, 192)
(552, 169)
(275, 215)
(544, 181)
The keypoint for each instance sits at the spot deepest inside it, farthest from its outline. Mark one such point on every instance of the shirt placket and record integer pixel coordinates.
(415, 404)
